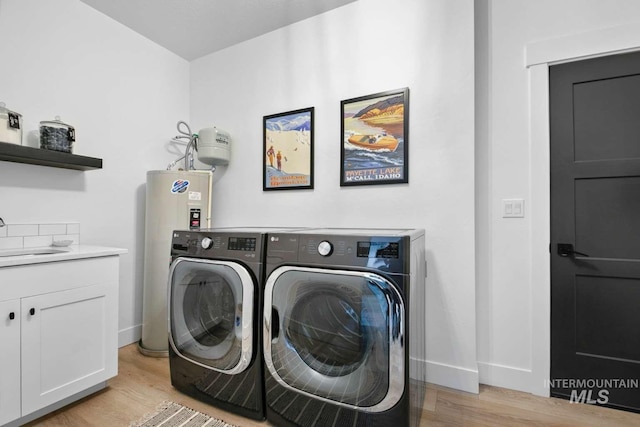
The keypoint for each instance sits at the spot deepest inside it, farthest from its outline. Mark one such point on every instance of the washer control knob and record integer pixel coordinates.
(206, 243)
(325, 248)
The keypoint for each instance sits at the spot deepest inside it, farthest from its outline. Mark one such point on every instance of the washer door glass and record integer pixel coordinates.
(211, 313)
(336, 335)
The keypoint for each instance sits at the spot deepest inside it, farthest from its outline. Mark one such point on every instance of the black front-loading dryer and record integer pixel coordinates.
(343, 327)
(215, 297)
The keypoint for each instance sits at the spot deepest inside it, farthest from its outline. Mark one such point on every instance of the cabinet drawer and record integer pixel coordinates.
(35, 279)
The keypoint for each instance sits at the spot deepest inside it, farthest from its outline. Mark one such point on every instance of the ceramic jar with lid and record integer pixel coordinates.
(10, 126)
(57, 135)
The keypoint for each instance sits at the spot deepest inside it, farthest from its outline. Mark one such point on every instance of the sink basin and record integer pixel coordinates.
(30, 251)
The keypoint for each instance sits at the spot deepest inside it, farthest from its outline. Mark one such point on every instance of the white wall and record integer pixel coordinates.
(513, 282)
(123, 94)
(365, 47)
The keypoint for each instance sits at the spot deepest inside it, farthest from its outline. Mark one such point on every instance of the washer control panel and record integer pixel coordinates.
(211, 244)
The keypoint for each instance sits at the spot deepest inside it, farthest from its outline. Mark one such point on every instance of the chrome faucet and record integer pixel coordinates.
(2, 224)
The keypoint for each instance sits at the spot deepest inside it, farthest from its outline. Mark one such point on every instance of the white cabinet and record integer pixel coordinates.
(9, 360)
(67, 344)
(62, 337)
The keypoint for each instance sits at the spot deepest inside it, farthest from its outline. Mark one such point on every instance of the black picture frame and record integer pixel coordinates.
(374, 146)
(288, 150)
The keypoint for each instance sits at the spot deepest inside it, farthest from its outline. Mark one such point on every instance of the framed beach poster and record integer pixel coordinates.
(288, 150)
(375, 138)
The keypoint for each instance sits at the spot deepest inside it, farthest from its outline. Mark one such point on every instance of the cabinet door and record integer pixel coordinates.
(9, 361)
(69, 343)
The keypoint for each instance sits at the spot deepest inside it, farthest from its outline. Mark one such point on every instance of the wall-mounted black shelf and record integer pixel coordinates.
(56, 159)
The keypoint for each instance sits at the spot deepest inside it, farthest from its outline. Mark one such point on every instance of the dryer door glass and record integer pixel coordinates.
(208, 317)
(336, 334)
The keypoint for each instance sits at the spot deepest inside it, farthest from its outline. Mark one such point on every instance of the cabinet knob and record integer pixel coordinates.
(32, 311)
(12, 315)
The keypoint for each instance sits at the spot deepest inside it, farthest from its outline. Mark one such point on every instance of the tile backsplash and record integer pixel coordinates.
(18, 236)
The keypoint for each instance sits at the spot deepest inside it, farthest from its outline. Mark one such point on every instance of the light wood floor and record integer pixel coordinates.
(143, 382)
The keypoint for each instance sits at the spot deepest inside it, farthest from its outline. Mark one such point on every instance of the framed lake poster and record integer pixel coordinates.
(288, 150)
(375, 139)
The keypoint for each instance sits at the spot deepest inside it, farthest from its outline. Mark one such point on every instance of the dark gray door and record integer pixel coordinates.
(595, 231)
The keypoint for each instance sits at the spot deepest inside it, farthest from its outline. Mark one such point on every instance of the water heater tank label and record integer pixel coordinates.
(195, 195)
(194, 219)
(179, 186)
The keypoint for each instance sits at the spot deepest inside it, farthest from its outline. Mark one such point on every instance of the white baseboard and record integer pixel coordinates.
(454, 377)
(129, 335)
(57, 405)
(505, 376)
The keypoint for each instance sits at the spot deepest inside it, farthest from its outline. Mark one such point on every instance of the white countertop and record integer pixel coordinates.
(65, 254)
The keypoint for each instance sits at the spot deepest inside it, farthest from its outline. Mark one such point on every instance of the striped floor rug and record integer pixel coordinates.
(171, 414)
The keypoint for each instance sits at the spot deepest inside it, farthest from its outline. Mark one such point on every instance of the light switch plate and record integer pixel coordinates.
(513, 208)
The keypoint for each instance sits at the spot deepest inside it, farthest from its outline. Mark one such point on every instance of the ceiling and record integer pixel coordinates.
(194, 28)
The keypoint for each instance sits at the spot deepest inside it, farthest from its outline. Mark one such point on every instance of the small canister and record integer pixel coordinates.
(57, 135)
(10, 126)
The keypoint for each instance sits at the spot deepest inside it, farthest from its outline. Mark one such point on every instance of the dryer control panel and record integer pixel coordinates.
(379, 252)
(376, 249)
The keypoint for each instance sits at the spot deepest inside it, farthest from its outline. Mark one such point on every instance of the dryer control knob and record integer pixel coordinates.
(206, 243)
(325, 248)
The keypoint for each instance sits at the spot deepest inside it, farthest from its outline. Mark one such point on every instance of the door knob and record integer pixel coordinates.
(567, 250)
